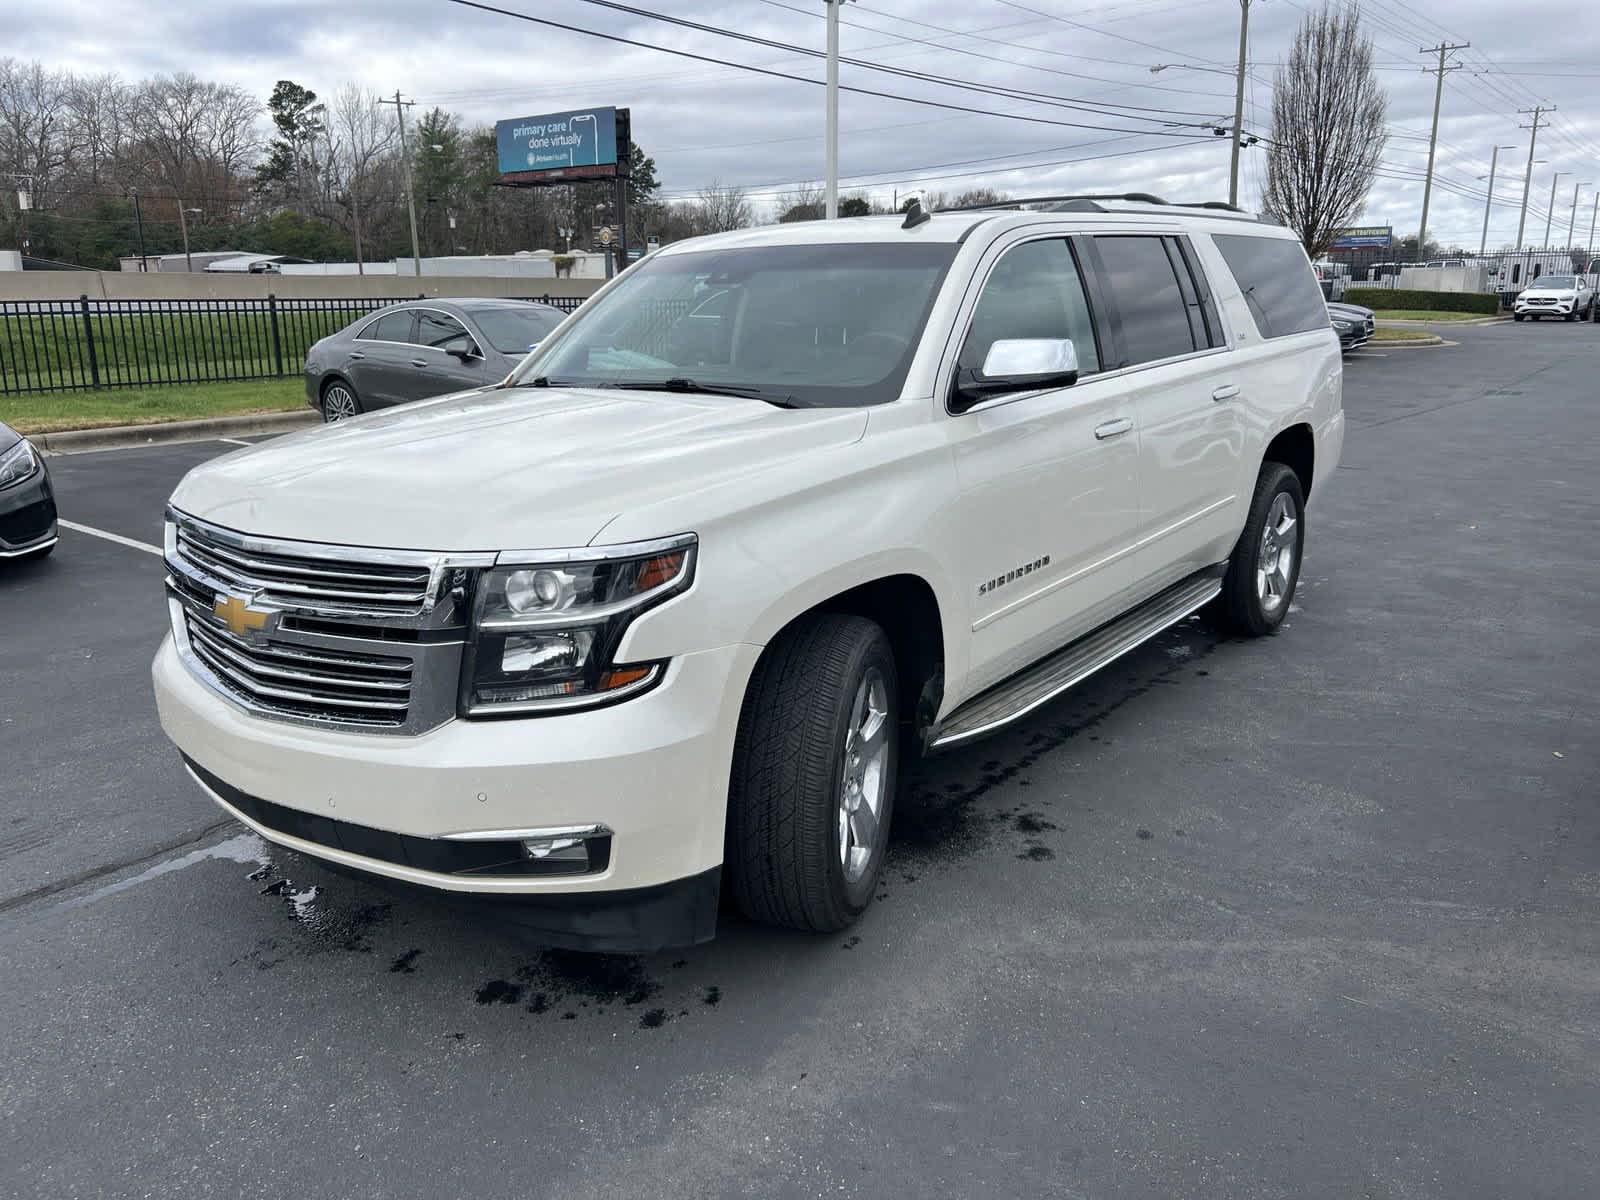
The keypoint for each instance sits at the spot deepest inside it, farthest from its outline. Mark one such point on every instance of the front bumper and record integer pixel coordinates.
(652, 770)
(27, 516)
(1558, 309)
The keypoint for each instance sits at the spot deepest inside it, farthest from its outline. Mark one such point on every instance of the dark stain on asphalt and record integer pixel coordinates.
(406, 963)
(655, 1018)
(540, 1003)
(1032, 822)
(851, 942)
(1145, 835)
(498, 991)
(1037, 853)
(712, 996)
(939, 821)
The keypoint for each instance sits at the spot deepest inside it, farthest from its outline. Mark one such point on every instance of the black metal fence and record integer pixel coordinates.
(64, 345)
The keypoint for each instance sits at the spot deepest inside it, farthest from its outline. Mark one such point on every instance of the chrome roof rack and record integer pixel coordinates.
(1106, 202)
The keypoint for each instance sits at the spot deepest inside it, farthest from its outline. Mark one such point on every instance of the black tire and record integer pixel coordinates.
(333, 394)
(782, 860)
(1517, 316)
(1240, 608)
(1571, 316)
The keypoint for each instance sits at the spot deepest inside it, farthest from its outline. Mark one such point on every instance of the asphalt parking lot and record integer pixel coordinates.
(1309, 916)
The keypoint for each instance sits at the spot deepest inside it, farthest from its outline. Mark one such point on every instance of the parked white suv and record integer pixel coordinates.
(659, 617)
(1564, 296)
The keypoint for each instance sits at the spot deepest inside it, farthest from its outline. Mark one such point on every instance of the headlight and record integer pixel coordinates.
(18, 463)
(544, 635)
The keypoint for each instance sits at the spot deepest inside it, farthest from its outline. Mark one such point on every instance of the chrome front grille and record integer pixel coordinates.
(295, 681)
(300, 580)
(316, 634)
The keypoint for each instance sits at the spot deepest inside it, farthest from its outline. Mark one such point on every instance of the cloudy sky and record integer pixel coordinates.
(1103, 126)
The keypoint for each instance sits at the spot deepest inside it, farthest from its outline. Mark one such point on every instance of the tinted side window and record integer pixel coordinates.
(1278, 283)
(1144, 286)
(1034, 291)
(437, 330)
(392, 327)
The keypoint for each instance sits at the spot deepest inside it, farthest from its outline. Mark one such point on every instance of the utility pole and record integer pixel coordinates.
(1238, 102)
(1537, 113)
(411, 192)
(1589, 249)
(1488, 200)
(831, 194)
(1551, 210)
(1442, 49)
(138, 224)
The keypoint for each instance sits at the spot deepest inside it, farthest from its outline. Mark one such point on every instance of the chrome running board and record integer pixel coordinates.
(1046, 679)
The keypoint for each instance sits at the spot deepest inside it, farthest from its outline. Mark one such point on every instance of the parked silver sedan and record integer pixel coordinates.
(422, 348)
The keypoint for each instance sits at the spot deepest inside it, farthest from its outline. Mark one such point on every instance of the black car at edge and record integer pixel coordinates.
(27, 505)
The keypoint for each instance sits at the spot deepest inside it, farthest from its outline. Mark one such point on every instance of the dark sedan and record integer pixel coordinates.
(1353, 323)
(27, 505)
(422, 348)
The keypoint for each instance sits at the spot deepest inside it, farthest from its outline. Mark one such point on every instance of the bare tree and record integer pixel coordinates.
(362, 138)
(34, 122)
(718, 209)
(1327, 128)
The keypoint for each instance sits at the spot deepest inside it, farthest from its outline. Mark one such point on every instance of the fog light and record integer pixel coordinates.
(556, 849)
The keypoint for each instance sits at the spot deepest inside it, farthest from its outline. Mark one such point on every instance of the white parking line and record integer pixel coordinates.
(235, 442)
(111, 537)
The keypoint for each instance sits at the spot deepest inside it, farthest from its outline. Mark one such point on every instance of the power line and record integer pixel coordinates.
(775, 74)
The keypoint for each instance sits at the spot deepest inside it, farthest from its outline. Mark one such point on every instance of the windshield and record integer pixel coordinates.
(515, 330)
(809, 325)
(1555, 282)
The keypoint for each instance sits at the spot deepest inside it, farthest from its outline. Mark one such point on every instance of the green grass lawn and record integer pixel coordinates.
(1402, 335)
(1422, 314)
(50, 412)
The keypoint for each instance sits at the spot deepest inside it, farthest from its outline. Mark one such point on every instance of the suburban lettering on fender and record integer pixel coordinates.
(999, 581)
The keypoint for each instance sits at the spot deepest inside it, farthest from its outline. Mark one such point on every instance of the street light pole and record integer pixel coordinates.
(1551, 210)
(183, 225)
(1494, 159)
(1238, 103)
(1572, 217)
(831, 193)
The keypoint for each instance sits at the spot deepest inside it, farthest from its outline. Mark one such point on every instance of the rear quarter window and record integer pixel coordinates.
(1278, 284)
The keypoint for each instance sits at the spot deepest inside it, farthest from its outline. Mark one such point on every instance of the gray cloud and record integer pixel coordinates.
(703, 122)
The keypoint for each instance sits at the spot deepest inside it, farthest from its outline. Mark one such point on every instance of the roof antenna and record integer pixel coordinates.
(916, 213)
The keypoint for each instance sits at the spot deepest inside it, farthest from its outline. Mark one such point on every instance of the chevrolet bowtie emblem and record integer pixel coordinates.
(238, 616)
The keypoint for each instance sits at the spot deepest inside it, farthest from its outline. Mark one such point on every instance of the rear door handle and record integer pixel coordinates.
(1226, 392)
(419, 362)
(1112, 429)
(357, 354)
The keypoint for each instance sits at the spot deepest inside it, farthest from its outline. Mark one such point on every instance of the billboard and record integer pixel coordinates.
(1363, 237)
(586, 143)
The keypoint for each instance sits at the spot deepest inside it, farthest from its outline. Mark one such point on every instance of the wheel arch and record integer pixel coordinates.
(1295, 446)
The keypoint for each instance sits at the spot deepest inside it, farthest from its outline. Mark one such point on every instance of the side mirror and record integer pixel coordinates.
(464, 349)
(1017, 365)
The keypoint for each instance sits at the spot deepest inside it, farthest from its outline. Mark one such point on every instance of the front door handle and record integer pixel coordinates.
(1226, 392)
(357, 354)
(1112, 429)
(419, 362)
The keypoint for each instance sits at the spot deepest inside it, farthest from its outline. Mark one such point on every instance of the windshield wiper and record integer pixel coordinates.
(681, 383)
(543, 381)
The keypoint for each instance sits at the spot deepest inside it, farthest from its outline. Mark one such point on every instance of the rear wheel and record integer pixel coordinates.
(1265, 565)
(812, 787)
(339, 402)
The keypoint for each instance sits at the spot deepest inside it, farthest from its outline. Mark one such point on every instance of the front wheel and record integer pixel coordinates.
(1571, 316)
(1518, 316)
(1265, 565)
(812, 786)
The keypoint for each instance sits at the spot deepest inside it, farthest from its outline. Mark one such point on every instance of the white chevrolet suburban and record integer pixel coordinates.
(655, 619)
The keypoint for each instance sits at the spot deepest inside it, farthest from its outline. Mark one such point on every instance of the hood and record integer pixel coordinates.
(9, 437)
(1536, 290)
(502, 469)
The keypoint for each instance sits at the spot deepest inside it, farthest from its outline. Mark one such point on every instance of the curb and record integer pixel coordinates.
(1408, 323)
(1411, 343)
(122, 437)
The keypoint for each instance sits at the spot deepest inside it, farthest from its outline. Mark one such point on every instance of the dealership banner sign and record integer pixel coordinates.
(587, 143)
(1363, 237)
